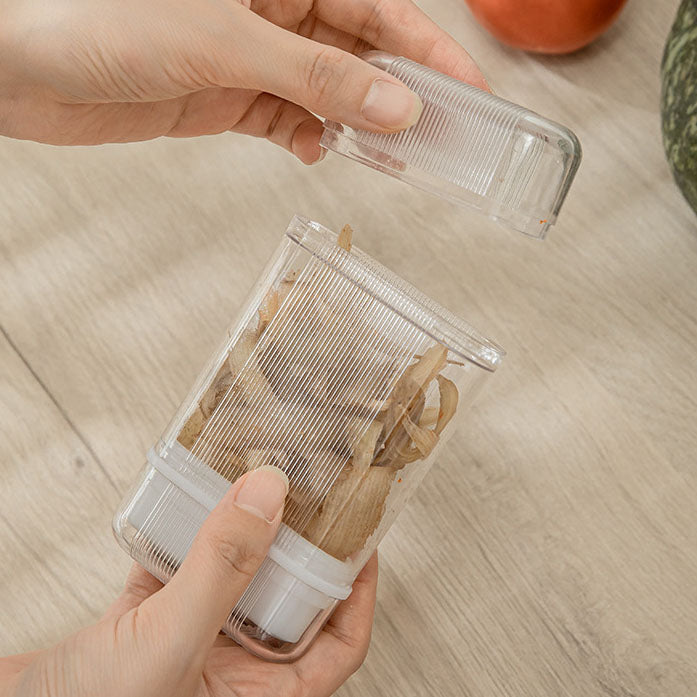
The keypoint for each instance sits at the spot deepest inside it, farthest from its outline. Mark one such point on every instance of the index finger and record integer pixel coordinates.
(401, 28)
(342, 645)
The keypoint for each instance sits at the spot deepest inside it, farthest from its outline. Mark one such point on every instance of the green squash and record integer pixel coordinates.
(679, 100)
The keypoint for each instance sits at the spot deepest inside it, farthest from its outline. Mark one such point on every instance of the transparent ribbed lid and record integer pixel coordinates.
(396, 294)
(471, 147)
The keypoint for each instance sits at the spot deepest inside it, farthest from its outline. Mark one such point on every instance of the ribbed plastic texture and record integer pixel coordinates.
(345, 377)
(471, 147)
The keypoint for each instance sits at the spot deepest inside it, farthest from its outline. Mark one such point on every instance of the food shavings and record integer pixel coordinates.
(364, 449)
(345, 237)
(412, 383)
(259, 457)
(429, 365)
(429, 417)
(192, 428)
(214, 396)
(398, 440)
(423, 438)
(241, 352)
(310, 480)
(449, 398)
(341, 438)
(269, 307)
(351, 511)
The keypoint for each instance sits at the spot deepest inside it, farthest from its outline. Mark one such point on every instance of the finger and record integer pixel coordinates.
(139, 585)
(285, 124)
(323, 79)
(210, 111)
(344, 642)
(228, 550)
(246, 111)
(314, 28)
(352, 622)
(400, 27)
(206, 112)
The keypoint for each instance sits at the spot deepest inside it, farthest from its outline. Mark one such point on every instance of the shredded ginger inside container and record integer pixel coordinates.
(363, 449)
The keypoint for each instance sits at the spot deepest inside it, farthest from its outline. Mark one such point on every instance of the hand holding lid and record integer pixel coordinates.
(471, 147)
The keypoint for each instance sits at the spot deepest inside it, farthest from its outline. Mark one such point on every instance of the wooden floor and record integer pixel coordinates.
(553, 550)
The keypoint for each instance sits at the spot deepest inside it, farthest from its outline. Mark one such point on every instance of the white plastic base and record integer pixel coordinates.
(297, 579)
(286, 606)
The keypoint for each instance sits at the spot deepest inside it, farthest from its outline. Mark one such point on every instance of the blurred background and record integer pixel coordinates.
(553, 550)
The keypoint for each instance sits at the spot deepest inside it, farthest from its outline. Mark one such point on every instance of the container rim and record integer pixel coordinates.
(444, 327)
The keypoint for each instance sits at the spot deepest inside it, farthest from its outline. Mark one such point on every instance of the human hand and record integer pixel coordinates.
(156, 641)
(96, 71)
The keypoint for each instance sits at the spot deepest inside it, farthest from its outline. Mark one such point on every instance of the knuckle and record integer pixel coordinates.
(376, 22)
(237, 557)
(358, 660)
(272, 129)
(326, 73)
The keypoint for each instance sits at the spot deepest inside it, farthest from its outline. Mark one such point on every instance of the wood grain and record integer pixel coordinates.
(569, 557)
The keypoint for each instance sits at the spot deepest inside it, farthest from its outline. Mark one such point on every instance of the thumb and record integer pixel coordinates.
(223, 559)
(325, 80)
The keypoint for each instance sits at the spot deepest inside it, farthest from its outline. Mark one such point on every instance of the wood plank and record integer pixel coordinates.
(56, 503)
(568, 560)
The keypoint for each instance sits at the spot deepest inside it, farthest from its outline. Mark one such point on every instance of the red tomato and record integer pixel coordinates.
(546, 26)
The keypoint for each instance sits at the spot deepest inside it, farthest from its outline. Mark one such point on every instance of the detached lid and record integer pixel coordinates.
(471, 147)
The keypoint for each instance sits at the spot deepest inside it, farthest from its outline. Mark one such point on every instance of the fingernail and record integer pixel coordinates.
(263, 492)
(390, 105)
(322, 155)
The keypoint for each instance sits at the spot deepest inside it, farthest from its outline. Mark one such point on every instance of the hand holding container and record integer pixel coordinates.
(346, 378)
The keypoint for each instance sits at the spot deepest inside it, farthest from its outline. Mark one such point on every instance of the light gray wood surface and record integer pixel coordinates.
(553, 550)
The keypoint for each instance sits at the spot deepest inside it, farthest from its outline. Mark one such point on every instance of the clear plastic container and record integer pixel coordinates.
(349, 380)
(470, 147)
